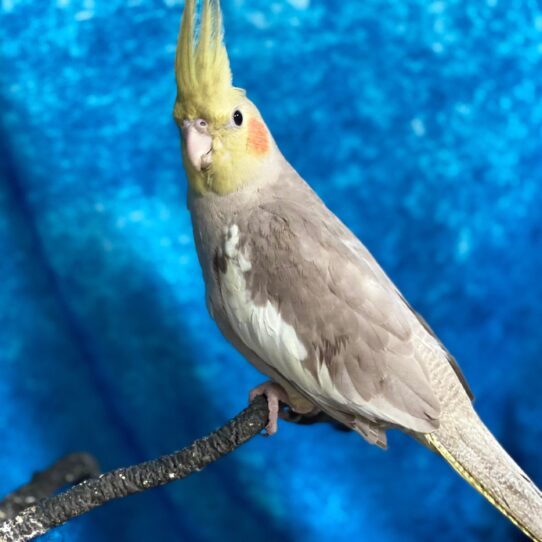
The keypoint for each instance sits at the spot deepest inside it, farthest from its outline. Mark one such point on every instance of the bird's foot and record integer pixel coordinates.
(275, 394)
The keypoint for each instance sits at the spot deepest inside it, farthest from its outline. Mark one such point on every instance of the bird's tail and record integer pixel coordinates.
(469, 447)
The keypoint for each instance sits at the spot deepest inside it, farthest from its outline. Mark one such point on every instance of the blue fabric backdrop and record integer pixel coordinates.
(419, 123)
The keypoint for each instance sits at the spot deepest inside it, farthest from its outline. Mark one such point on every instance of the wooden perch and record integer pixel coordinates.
(31, 511)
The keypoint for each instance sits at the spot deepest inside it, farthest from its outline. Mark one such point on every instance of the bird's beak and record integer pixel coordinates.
(199, 143)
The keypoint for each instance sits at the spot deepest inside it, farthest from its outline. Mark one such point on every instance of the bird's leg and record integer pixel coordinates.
(275, 394)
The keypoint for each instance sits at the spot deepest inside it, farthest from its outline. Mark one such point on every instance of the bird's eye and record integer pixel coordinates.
(238, 117)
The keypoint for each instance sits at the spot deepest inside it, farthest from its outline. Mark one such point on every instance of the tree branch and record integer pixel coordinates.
(72, 469)
(32, 520)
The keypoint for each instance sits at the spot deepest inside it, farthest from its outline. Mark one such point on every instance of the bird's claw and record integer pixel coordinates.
(275, 394)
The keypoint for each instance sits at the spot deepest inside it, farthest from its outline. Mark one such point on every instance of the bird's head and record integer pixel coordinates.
(225, 141)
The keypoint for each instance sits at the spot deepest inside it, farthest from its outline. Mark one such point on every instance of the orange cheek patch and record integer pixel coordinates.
(258, 142)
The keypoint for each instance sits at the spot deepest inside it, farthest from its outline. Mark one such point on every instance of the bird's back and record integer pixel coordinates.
(342, 333)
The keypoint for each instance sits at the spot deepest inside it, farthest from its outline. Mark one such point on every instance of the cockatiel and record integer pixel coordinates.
(302, 298)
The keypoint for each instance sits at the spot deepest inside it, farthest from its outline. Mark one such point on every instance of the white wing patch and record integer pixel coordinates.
(261, 328)
(264, 331)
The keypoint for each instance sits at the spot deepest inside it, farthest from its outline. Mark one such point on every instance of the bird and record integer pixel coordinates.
(304, 301)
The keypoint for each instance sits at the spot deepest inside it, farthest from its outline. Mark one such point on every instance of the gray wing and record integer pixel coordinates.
(360, 336)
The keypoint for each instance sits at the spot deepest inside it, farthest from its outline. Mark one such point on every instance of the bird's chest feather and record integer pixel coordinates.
(258, 324)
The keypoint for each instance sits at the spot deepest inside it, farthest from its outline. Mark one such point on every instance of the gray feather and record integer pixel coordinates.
(325, 283)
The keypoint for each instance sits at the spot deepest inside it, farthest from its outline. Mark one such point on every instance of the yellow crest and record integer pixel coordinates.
(202, 67)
